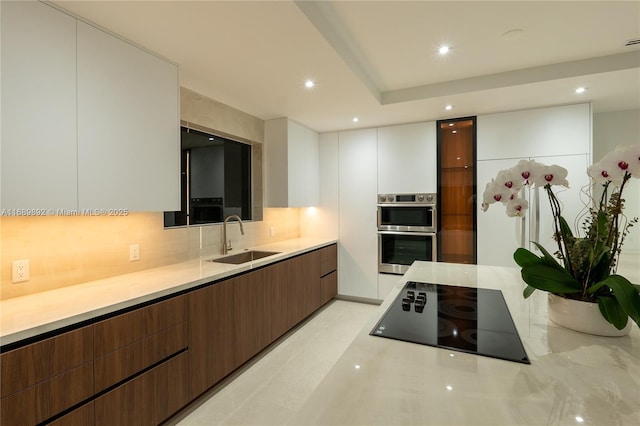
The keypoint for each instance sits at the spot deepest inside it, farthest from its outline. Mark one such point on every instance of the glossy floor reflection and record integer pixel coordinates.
(272, 388)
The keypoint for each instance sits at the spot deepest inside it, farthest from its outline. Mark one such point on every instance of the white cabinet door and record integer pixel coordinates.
(128, 126)
(358, 250)
(39, 167)
(407, 158)
(292, 164)
(562, 130)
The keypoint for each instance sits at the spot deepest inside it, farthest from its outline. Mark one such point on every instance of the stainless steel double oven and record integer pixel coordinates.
(406, 230)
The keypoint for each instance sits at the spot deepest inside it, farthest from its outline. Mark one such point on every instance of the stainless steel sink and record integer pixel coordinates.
(245, 256)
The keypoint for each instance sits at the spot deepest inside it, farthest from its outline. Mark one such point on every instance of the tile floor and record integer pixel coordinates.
(272, 387)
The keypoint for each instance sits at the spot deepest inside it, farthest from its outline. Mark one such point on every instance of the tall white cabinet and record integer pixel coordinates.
(558, 135)
(357, 256)
(39, 167)
(89, 120)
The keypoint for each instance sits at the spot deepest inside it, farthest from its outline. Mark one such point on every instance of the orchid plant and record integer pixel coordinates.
(587, 264)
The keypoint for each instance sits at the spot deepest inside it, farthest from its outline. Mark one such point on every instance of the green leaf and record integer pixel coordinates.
(550, 279)
(625, 294)
(565, 229)
(602, 224)
(612, 312)
(524, 257)
(600, 269)
(549, 260)
(528, 291)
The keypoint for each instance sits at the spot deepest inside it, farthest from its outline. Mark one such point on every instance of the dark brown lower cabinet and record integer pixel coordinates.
(211, 335)
(277, 280)
(82, 416)
(148, 399)
(328, 287)
(44, 400)
(141, 366)
(252, 312)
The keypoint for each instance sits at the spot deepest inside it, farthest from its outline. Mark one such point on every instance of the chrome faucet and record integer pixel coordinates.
(227, 246)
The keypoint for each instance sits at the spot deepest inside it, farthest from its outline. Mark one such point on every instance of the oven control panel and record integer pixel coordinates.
(421, 198)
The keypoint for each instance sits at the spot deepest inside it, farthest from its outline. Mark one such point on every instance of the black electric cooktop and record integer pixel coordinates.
(465, 319)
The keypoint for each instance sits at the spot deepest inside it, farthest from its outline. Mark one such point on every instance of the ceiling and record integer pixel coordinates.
(379, 61)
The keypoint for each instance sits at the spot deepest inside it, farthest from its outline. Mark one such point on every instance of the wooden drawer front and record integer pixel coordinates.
(125, 329)
(328, 259)
(83, 416)
(148, 399)
(328, 287)
(24, 367)
(125, 362)
(44, 400)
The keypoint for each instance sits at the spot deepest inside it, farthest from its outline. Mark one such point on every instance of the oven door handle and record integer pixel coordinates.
(419, 234)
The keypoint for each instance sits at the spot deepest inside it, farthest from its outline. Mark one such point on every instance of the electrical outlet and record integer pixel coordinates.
(20, 271)
(272, 231)
(134, 252)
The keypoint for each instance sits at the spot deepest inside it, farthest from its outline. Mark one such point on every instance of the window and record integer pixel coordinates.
(216, 179)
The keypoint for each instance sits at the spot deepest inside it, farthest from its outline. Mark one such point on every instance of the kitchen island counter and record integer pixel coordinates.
(573, 378)
(34, 315)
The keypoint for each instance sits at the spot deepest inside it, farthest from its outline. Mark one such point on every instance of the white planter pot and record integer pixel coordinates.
(582, 316)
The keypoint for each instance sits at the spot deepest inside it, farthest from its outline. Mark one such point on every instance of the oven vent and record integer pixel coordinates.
(632, 42)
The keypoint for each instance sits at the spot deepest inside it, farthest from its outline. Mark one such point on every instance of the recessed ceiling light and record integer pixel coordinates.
(443, 50)
(448, 107)
(450, 124)
(211, 139)
(454, 131)
(309, 84)
(581, 90)
(356, 119)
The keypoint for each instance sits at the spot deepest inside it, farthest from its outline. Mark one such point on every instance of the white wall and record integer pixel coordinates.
(611, 129)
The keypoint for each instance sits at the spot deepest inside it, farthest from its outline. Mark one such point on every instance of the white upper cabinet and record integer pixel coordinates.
(39, 168)
(88, 120)
(292, 164)
(407, 158)
(128, 126)
(563, 130)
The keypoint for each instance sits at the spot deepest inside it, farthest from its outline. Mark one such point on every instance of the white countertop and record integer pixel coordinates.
(573, 378)
(28, 316)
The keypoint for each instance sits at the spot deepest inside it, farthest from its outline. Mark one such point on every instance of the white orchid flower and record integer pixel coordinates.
(616, 164)
(552, 175)
(510, 179)
(602, 174)
(495, 192)
(527, 170)
(632, 155)
(517, 207)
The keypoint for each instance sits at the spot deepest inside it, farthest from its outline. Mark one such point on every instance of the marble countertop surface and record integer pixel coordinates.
(573, 378)
(28, 316)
